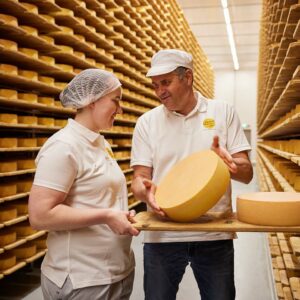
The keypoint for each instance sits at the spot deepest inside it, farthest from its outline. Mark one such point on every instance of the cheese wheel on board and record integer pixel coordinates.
(47, 59)
(46, 100)
(46, 79)
(29, 120)
(58, 103)
(41, 243)
(79, 54)
(9, 69)
(26, 163)
(9, 20)
(9, 94)
(30, 30)
(29, 97)
(8, 166)
(60, 122)
(269, 208)
(7, 260)
(28, 74)
(66, 49)
(47, 39)
(193, 186)
(9, 45)
(24, 185)
(8, 189)
(24, 229)
(31, 8)
(27, 142)
(9, 118)
(61, 85)
(20, 206)
(30, 52)
(48, 18)
(7, 213)
(41, 141)
(24, 251)
(8, 142)
(46, 121)
(7, 236)
(65, 68)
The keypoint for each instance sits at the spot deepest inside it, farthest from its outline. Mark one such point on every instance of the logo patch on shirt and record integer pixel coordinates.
(110, 153)
(209, 123)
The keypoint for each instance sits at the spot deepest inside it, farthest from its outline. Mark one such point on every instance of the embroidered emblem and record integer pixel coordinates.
(209, 123)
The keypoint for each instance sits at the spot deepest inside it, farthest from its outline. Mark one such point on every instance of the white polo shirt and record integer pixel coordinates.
(162, 138)
(77, 161)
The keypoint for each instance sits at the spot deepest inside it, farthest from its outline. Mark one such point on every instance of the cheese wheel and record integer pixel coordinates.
(269, 208)
(30, 30)
(24, 229)
(48, 18)
(25, 251)
(41, 141)
(9, 45)
(32, 98)
(41, 243)
(77, 71)
(91, 61)
(8, 142)
(60, 122)
(46, 121)
(9, 118)
(58, 104)
(28, 74)
(80, 37)
(26, 163)
(8, 166)
(7, 213)
(27, 142)
(46, 79)
(7, 189)
(79, 54)
(66, 49)
(7, 236)
(9, 94)
(24, 185)
(31, 8)
(29, 120)
(9, 69)
(47, 39)
(9, 20)
(47, 59)
(67, 30)
(21, 207)
(193, 186)
(7, 260)
(61, 85)
(91, 44)
(30, 52)
(66, 68)
(46, 100)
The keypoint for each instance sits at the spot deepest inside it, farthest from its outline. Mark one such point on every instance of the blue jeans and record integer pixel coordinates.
(212, 263)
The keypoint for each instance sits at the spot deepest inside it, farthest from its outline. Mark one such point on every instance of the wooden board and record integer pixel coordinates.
(148, 221)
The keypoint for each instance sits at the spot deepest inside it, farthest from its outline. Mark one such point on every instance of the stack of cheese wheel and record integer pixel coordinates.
(269, 208)
(193, 186)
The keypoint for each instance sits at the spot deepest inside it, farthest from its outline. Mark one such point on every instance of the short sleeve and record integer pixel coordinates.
(56, 167)
(141, 153)
(236, 139)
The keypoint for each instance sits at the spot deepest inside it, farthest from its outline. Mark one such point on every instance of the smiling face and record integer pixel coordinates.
(104, 110)
(175, 92)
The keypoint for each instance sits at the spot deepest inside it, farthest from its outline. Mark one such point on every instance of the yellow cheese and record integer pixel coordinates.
(46, 100)
(9, 94)
(30, 30)
(41, 141)
(8, 166)
(67, 30)
(193, 186)
(32, 98)
(8, 142)
(80, 37)
(24, 229)
(24, 251)
(46, 79)
(21, 207)
(7, 213)
(59, 122)
(27, 142)
(9, 118)
(29, 120)
(81, 20)
(28, 74)
(9, 20)
(7, 236)
(24, 185)
(81, 55)
(47, 59)
(9, 69)
(91, 28)
(7, 260)
(91, 61)
(31, 8)
(66, 68)
(58, 104)
(7, 189)
(48, 18)
(26, 163)
(77, 71)
(66, 49)
(47, 39)
(9, 45)
(91, 44)
(29, 52)
(46, 121)
(269, 208)
(61, 85)
(100, 66)
(66, 12)
(41, 242)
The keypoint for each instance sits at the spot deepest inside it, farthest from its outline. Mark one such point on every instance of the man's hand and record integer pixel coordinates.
(224, 154)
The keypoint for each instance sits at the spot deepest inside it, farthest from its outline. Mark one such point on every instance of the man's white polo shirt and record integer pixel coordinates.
(77, 161)
(161, 138)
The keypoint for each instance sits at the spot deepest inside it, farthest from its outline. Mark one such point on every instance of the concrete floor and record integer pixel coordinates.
(253, 272)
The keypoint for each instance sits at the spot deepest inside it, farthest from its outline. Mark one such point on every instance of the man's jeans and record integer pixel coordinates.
(212, 263)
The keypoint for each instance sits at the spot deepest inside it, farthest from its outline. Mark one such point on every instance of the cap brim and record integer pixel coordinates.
(160, 70)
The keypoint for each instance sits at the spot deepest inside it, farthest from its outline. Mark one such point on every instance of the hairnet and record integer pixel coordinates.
(87, 87)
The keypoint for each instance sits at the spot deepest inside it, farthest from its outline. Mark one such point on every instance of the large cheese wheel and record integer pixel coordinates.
(24, 185)
(7, 260)
(8, 142)
(28, 74)
(46, 100)
(29, 120)
(7, 213)
(8, 166)
(30, 30)
(24, 229)
(9, 93)
(193, 186)
(9, 118)
(46, 121)
(25, 251)
(29, 97)
(47, 59)
(27, 142)
(9, 45)
(8, 189)
(7, 236)
(269, 208)
(9, 20)
(30, 52)
(20, 206)
(26, 163)
(9, 69)
(47, 39)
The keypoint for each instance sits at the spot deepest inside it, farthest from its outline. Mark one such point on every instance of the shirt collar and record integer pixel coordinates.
(201, 106)
(85, 132)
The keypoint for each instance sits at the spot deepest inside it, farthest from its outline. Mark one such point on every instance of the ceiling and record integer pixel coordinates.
(207, 21)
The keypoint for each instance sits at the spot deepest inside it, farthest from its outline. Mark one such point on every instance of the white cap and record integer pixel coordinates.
(166, 61)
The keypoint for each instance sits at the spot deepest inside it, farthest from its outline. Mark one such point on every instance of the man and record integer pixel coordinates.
(185, 123)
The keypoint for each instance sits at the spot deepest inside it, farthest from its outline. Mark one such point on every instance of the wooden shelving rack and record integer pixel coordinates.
(278, 126)
(43, 45)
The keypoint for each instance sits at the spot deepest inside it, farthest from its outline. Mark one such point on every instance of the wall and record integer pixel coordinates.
(239, 89)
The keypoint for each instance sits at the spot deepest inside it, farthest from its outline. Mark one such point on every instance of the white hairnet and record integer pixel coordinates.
(87, 87)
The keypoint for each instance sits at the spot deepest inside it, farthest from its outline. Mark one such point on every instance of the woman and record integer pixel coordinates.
(79, 195)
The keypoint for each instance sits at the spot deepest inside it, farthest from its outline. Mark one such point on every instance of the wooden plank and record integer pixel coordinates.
(210, 222)
(295, 287)
(295, 245)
